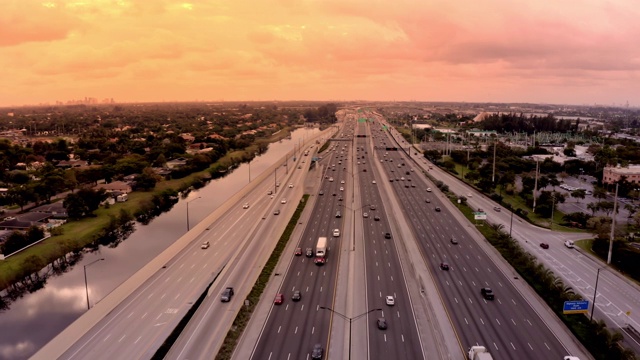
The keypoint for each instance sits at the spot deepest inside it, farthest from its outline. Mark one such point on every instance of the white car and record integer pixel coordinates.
(245, 206)
(341, 188)
(283, 201)
(569, 244)
(469, 195)
(365, 215)
(373, 182)
(205, 245)
(290, 185)
(341, 181)
(390, 300)
(428, 189)
(330, 179)
(336, 232)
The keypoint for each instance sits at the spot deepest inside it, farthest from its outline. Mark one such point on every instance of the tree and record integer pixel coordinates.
(606, 206)
(599, 193)
(594, 207)
(578, 194)
(84, 202)
(147, 180)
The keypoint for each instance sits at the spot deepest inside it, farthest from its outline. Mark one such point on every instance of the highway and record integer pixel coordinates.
(616, 294)
(136, 318)
(507, 325)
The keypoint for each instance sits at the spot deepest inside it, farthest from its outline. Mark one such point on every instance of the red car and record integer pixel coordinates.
(544, 245)
(319, 260)
(279, 299)
(298, 251)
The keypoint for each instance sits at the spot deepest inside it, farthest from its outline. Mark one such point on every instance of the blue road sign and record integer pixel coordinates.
(576, 307)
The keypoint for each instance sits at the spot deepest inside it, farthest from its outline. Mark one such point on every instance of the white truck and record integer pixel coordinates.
(321, 247)
(479, 353)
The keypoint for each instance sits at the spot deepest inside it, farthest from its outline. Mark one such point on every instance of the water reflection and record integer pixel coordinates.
(35, 318)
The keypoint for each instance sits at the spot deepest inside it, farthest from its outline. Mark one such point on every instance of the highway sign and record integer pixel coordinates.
(480, 216)
(576, 307)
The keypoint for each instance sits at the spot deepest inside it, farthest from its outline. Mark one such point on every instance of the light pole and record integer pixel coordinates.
(350, 320)
(188, 228)
(511, 225)
(595, 292)
(86, 287)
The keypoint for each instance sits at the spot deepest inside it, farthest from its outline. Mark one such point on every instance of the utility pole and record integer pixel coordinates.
(613, 226)
(493, 176)
(535, 187)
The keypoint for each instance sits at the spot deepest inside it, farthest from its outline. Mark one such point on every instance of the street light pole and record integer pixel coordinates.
(595, 292)
(350, 320)
(188, 228)
(511, 225)
(86, 286)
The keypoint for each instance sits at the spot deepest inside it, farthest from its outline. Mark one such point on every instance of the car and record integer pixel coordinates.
(340, 198)
(321, 192)
(330, 179)
(298, 251)
(309, 252)
(290, 185)
(487, 293)
(373, 182)
(319, 261)
(336, 232)
(226, 294)
(299, 167)
(365, 215)
(438, 209)
(338, 214)
(297, 296)
(245, 206)
(279, 299)
(269, 192)
(364, 170)
(428, 189)
(544, 245)
(334, 194)
(469, 195)
(317, 352)
(341, 188)
(480, 210)
(376, 218)
(276, 212)
(427, 201)
(402, 178)
(569, 244)
(387, 235)
(341, 181)
(454, 241)
(283, 201)
(382, 323)
(390, 180)
(413, 185)
(205, 245)
(277, 184)
(390, 300)
(372, 207)
(497, 208)
(444, 266)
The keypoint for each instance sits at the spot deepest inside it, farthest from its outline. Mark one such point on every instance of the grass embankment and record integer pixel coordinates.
(75, 235)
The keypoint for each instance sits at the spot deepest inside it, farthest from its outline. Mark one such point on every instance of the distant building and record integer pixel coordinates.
(612, 175)
(120, 186)
(481, 133)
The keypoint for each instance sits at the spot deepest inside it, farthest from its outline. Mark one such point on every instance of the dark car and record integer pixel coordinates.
(544, 245)
(444, 266)
(298, 251)
(438, 209)
(427, 201)
(309, 252)
(487, 293)
(277, 212)
(382, 323)
(316, 353)
(321, 192)
(297, 296)
(454, 241)
(387, 235)
(226, 294)
(376, 218)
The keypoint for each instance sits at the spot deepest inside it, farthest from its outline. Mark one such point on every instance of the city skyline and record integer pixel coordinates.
(574, 52)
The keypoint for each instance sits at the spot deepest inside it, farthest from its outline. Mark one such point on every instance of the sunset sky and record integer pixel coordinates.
(563, 52)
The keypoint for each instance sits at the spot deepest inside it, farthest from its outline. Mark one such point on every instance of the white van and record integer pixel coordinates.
(336, 232)
(569, 244)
